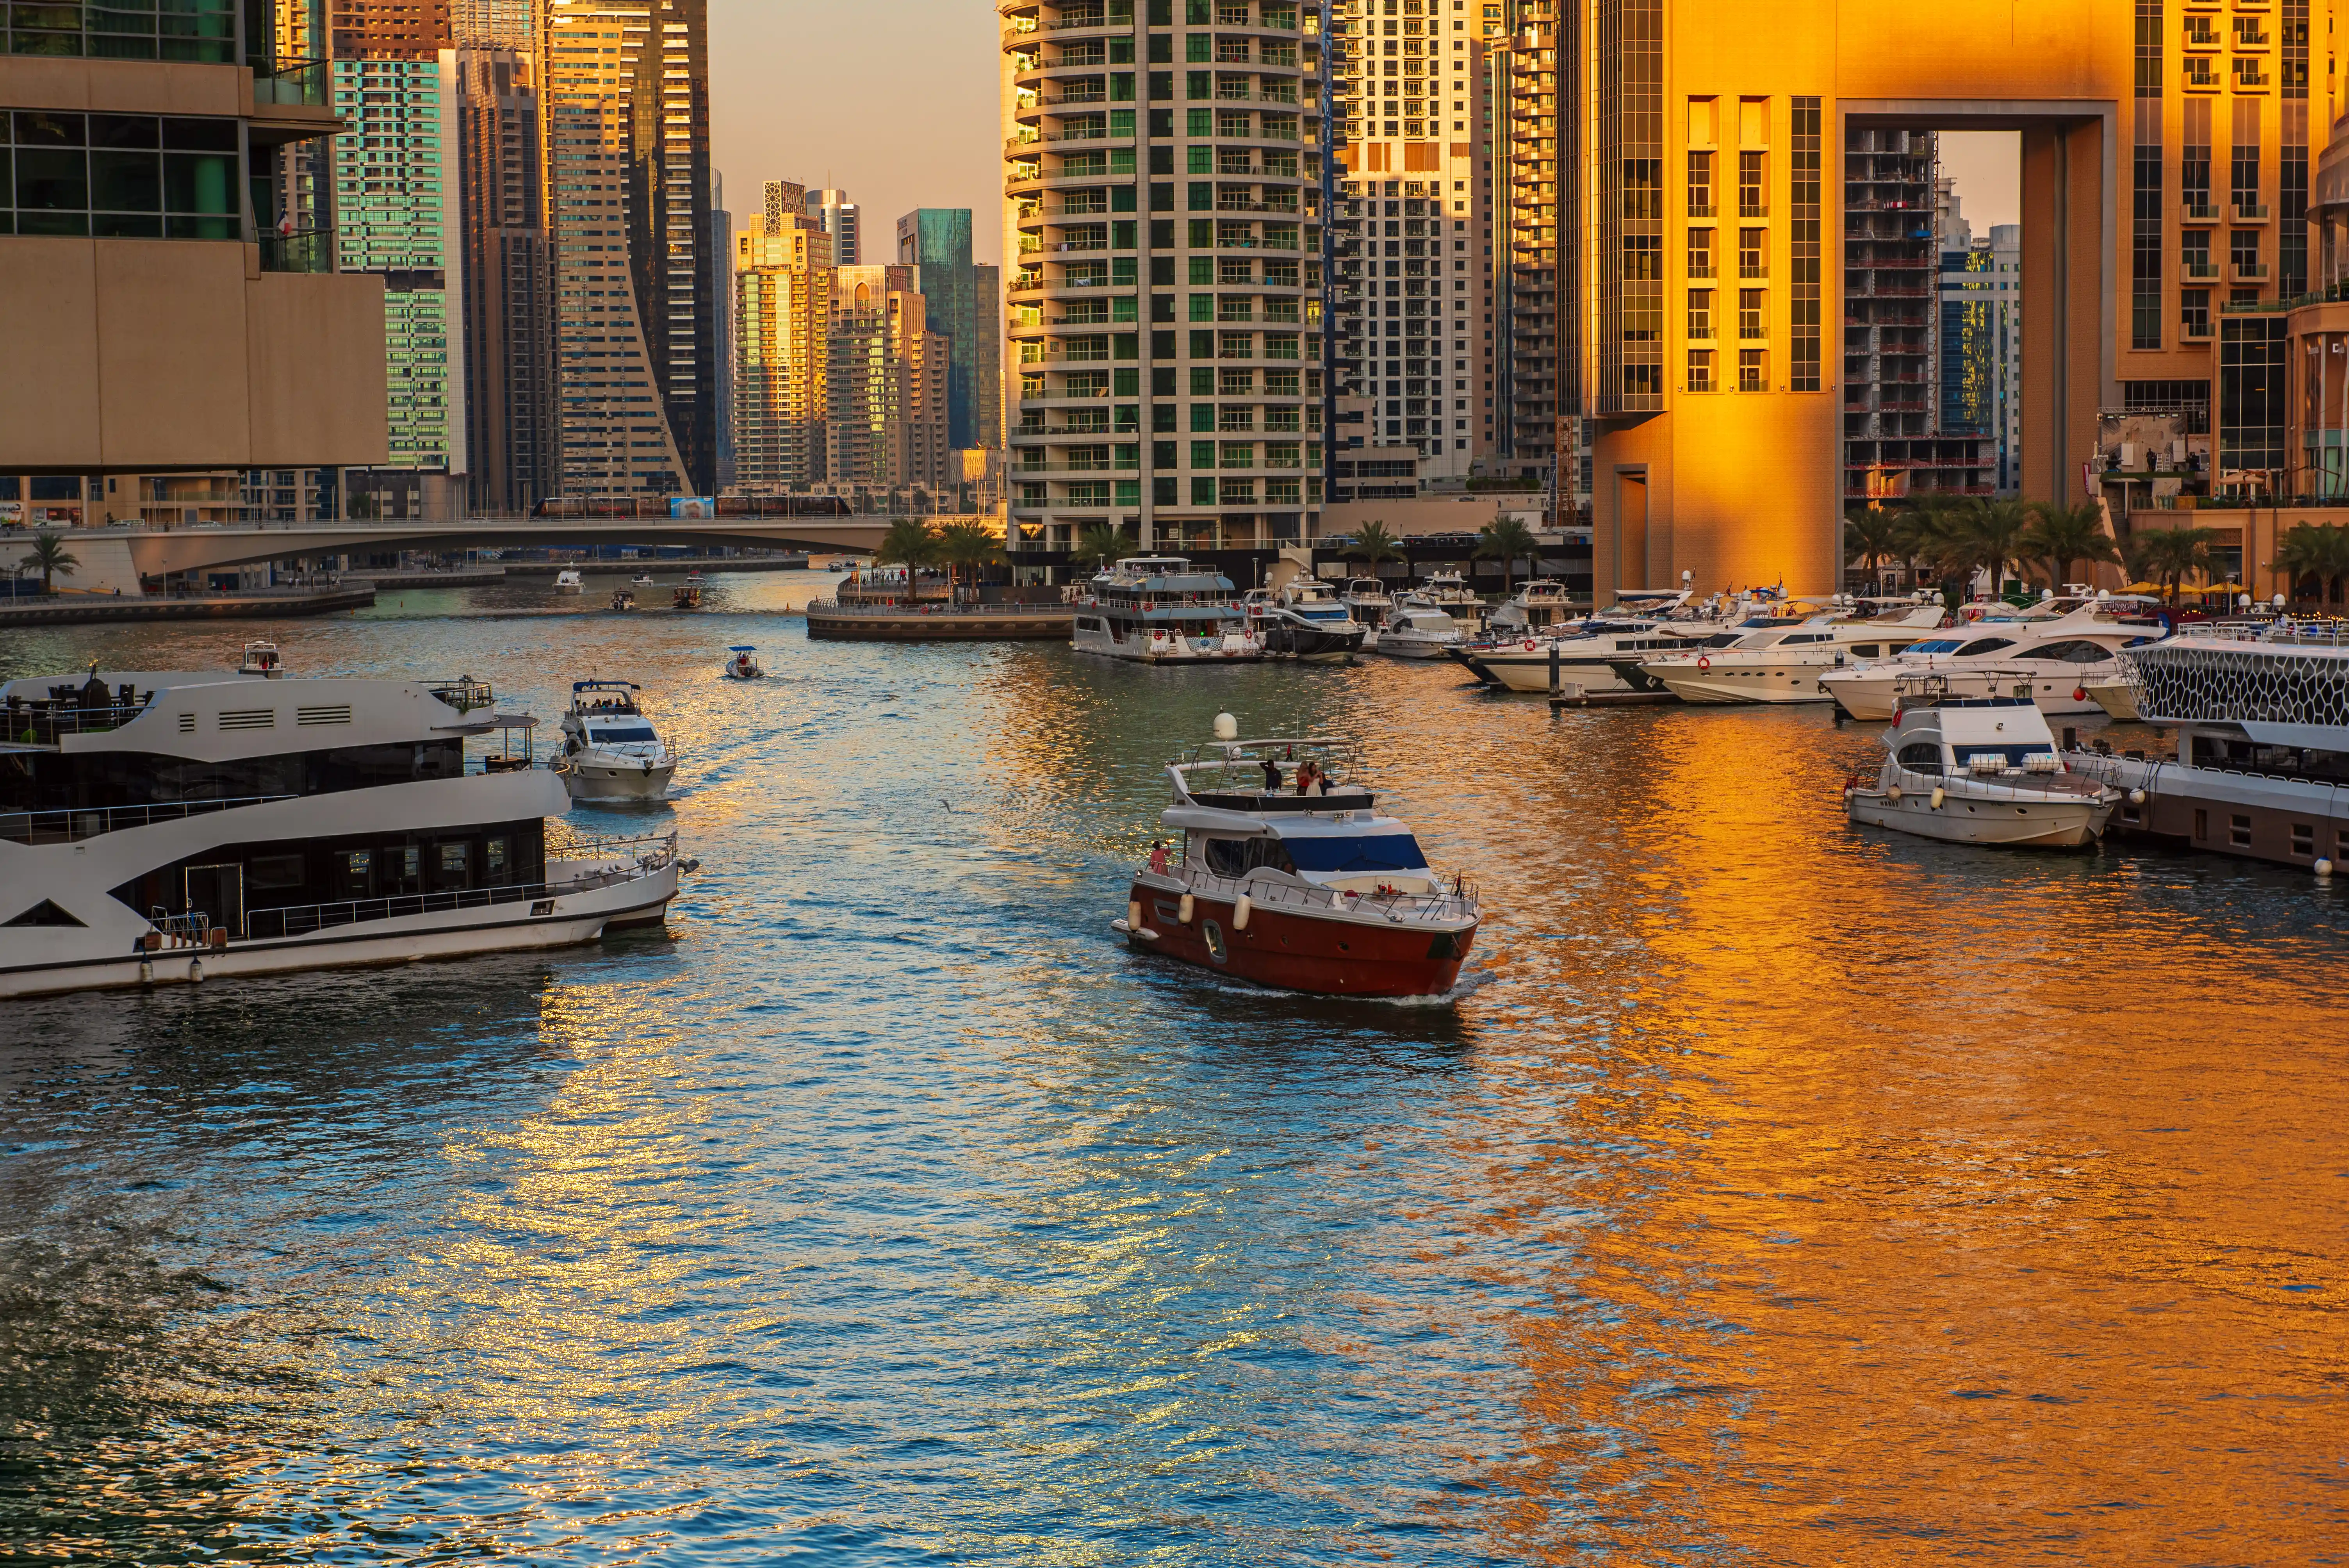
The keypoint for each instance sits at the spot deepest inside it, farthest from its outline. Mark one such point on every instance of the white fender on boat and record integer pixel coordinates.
(2136, 796)
(1892, 793)
(195, 971)
(1182, 909)
(1241, 911)
(1940, 795)
(145, 972)
(1133, 915)
(2323, 868)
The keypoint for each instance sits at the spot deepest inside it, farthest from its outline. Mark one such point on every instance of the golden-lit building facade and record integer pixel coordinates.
(2166, 155)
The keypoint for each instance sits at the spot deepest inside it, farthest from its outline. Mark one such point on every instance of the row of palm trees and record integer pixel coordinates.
(1951, 538)
(916, 542)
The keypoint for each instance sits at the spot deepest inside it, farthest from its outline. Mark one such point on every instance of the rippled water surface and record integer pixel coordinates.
(1774, 1193)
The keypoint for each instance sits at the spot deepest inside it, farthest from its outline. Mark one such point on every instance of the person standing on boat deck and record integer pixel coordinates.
(1158, 858)
(1271, 777)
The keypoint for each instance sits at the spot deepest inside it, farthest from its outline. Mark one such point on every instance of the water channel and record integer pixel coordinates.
(1773, 1192)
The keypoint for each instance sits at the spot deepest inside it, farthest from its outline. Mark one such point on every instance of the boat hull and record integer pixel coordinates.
(1740, 684)
(1331, 956)
(2053, 824)
(1530, 673)
(1395, 645)
(596, 781)
(1878, 698)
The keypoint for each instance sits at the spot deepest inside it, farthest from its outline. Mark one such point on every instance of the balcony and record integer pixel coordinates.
(2192, 331)
(2250, 211)
(2250, 271)
(2196, 210)
(298, 251)
(2199, 75)
(2198, 271)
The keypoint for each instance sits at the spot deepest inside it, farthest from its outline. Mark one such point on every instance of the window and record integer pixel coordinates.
(122, 175)
(1753, 188)
(1753, 253)
(1925, 758)
(1753, 370)
(1753, 314)
(2239, 832)
(1700, 314)
(1700, 185)
(1985, 646)
(1804, 248)
(1699, 254)
(1700, 370)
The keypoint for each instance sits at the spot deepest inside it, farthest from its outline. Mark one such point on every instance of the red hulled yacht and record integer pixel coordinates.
(1283, 872)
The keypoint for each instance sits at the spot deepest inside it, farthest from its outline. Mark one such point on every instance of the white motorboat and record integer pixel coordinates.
(642, 580)
(1784, 665)
(164, 827)
(569, 581)
(2049, 652)
(611, 752)
(1305, 621)
(1537, 604)
(1161, 610)
(1418, 631)
(623, 600)
(1587, 650)
(743, 665)
(1979, 771)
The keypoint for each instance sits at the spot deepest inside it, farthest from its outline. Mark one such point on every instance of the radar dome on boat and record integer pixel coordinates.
(1226, 727)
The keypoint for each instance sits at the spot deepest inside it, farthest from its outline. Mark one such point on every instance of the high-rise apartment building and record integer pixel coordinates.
(1722, 455)
(782, 327)
(627, 119)
(397, 206)
(514, 440)
(886, 418)
(170, 274)
(839, 217)
(1409, 296)
(1981, 384)
(963, 304)
(1165, 170)
(718, 256)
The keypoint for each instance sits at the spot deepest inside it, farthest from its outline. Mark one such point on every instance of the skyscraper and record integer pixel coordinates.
(1165, 229)
(397, 200)
(839, 217)
(886, 418)
(512, 438)
(783, 326)
(628, 211)
(935, 242)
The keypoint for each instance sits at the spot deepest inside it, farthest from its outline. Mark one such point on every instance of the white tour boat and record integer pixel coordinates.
(2050, 652)
(610, 749)
(165, 827)
(1161, 610)
(569, 581)
(1979, 771)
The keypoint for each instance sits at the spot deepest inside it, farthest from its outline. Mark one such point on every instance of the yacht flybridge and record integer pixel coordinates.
(165, 827)
(1288, 876)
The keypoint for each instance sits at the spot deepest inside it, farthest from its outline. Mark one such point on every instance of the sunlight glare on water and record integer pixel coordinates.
(1772, 1192)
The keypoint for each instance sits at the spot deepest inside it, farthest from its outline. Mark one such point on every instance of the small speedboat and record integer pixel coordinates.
(742, 666)
(623, 600)
(688, 596)
(1979, 771)
(643, 580)
(1292, 877)
(569, 581)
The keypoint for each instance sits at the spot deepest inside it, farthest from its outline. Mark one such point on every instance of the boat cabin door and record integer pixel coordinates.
(218, 893)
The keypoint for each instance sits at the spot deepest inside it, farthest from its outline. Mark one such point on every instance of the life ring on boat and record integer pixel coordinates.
(1530, 645)
(1704, 662)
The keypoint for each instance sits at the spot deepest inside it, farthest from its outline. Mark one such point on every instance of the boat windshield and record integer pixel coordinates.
(1937, 646)
(621, 732)
(1375, 853)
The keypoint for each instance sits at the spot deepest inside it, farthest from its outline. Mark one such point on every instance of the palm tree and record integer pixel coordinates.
(911, 542)
(49, 557)
(1373, 544)
(1993, 534)
(2170, 556)
(968, 543)
(1927, 531)
(1510, 541)
(1869, 537)
(2064, 536)
(1100, 545)
(2321, 552)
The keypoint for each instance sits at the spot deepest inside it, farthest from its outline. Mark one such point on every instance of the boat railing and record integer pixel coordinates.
(464, 693)
(45, 721)
(304, 920)
(651, 851)
(70, 826)
(2000, 785)
(1461, 903)
(934, 607)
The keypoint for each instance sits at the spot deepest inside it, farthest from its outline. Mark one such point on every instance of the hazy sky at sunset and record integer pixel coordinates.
(896, 104)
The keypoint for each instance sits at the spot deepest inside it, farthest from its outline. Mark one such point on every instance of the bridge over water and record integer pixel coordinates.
(122, 559)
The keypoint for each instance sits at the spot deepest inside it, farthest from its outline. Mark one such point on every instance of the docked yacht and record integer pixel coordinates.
(1305, 621)
(1161, 610)
(165, 827)
(1586, 652)
(569, 581)
(1783, 664)
(610, 749)
(1449, 591)
(1539, 605)
(1367, 599)
(1979, 770)
(1307, 891)
(2048, 652)
(1417, 630)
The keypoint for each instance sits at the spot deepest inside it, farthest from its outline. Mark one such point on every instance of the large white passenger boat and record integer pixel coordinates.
(1161, 610)
(166, 827)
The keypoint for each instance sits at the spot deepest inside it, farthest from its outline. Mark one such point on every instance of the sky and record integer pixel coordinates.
(1988, 167)
(898, 105)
